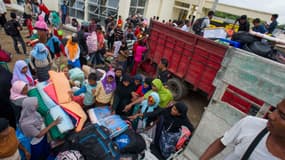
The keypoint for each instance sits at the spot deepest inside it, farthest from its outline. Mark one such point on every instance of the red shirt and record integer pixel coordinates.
(139, 91)
(44, 8)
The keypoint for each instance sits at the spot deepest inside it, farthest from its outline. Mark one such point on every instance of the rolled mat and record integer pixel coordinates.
(54, 131)
(77, 110)
(42, 108)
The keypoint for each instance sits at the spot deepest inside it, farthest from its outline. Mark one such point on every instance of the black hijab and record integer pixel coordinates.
(174, 123)
(6, 110)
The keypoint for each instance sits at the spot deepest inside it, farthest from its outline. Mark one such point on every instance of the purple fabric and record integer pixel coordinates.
(109, 87)
(18, 75)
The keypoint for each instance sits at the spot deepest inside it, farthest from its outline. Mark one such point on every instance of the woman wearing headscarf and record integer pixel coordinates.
(146, 124)
(123, 95)
(72, 51)
(41, 61)
(21, 72)
(42, 29)
(55, 19)
(9, 143)
(172, 119)
(18, 92)
(165, 95)
(105, 89)
(6, 110)
(31, 123)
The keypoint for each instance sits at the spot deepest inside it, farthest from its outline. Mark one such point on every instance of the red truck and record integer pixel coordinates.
(193, 61)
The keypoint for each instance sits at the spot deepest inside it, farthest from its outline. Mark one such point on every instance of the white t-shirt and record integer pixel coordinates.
(185, 28)
(241, 136)
(205, 23)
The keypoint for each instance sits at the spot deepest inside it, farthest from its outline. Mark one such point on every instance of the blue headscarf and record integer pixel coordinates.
(51, 41)
(147, 108)
(40, 52)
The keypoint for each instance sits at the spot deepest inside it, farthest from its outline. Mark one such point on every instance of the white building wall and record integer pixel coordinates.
(152, 8)
(124, 8)
(52, 4)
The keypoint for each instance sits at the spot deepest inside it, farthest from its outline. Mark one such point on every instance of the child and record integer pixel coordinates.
(138, 87)
(21, 72)
(88, 89)
(163, 73)
(41, 61)
(118, 74)
(123, 55)
(55, 46)
(140, 49)
(105, 90)
(72, 51)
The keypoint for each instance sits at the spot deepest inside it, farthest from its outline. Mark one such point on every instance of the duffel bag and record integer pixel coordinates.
(261, 49)
(93, 142)
(244, 37)
(130, 142)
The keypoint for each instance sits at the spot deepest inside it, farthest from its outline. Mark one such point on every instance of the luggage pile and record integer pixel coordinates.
(258, 46)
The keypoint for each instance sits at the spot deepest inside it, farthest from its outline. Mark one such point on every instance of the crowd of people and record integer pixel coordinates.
(118, 47)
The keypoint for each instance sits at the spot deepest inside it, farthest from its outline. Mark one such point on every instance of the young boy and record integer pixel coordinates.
(163, 73)
(88, 88)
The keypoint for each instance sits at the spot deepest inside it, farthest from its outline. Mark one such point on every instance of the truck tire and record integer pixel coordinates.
(177, 88)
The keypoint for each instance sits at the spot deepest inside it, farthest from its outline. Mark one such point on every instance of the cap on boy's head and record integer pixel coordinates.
(164, 62)
(13, 15)
(92, 76)
(275, 16)
(138, 77)
(243, 17)
(74, 38)
(4, 123)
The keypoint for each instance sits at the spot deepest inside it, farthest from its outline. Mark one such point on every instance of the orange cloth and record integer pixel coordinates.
(78, 111)
(9, 145)
(61, 86)
(72, 48)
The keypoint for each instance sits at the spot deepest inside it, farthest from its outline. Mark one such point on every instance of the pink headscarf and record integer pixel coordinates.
(41, 24)
(16, 90)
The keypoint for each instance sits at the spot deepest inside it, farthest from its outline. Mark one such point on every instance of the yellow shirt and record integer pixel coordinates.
(101, 95)
(9, 145)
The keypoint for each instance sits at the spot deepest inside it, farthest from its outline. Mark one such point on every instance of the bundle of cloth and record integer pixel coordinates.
(49, 110)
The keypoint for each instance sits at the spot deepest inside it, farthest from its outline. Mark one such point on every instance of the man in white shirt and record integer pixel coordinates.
(2, 13)
(186, 26)
(270, 147)
(207, 19)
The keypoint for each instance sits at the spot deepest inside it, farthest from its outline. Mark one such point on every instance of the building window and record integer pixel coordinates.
(137, 6)
(101, 9)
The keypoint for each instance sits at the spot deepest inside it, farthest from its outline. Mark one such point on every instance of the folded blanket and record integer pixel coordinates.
(77, 110)
(47, 100)
(66, 123)
(61, 85)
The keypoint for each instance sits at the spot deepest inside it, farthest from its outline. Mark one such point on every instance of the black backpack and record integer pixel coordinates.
(94, 143)
(197, 26)
(11, 28)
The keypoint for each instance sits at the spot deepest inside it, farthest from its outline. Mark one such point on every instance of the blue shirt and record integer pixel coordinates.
(64, 9)
(260, 29)
(88, 94)
(272, 26)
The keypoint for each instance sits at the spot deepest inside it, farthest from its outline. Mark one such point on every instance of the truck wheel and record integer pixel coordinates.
(177, 88)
